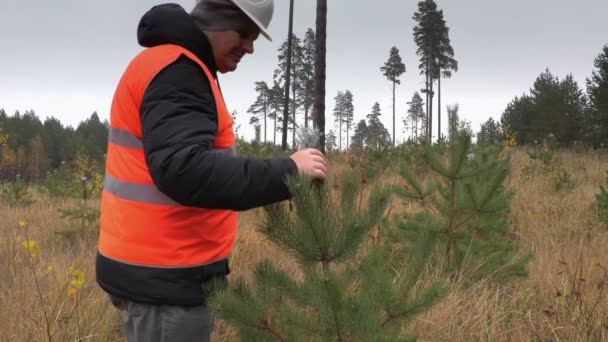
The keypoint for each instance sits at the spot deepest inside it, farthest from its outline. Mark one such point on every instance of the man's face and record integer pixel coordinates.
(229, 47)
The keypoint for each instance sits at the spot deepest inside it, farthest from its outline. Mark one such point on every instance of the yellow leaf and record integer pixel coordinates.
(21, 224)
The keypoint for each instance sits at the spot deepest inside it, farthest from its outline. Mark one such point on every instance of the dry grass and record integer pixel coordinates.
(558, 301)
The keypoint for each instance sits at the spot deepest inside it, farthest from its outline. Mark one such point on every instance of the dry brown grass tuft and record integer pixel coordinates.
(564, 298)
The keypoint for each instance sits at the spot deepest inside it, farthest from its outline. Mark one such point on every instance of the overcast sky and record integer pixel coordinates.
(63, 58)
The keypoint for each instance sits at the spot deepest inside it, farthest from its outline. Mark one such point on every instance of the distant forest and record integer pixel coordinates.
(557, 108)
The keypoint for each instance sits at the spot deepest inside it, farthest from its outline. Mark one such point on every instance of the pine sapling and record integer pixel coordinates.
(16, 193)
(349, 291)
(465, 209)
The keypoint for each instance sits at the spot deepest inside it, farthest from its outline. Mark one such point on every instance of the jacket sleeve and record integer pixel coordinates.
(179, 124)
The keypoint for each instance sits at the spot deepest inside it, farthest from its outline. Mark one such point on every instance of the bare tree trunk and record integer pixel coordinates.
(431, 111)
(293, 133)
(320, 55)
(340, 134)
(347, 132)
(287, 79)
(439, 106)
(426, 92)
(393, 113)
(265, 115)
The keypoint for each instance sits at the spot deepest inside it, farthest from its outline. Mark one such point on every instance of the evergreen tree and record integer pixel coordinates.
(23, 128)
(348, 292)
(360, 136)
(343, 113)
(569, 127)
(292, 59)
(92, 135)
(3, 137)
(429, 35)
(287, 75)
(490, 133)
(306, 74)
(553, 107)
(349, 112)
(339, 116)
(445, 63)
(519, 116)
(597, 91)
(262, 105)
(56, 140)
(415, 113)
(330, 142)
(392, 70)
(377, 135)
(465, 212)
(276, 104)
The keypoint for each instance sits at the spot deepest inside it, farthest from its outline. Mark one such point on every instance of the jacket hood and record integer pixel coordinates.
(171, 24)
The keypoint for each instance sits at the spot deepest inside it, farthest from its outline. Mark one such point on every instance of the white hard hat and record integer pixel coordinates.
(259, 11)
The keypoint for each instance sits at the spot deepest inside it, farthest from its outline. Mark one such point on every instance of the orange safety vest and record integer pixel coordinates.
(139, 224)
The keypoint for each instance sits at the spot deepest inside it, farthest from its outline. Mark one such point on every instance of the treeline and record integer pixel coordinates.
(283, 105)
(559, 108)
(31, 148)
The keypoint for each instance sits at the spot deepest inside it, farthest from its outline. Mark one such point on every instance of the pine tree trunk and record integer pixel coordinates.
(293, 133)
(306, 117)
(287, 79)
(439, 106)
(275, 129)
(265, 116)
(431, 111)
(320, 55)
(427, 99)
(347, 131)
(340, 134)
(393, 113)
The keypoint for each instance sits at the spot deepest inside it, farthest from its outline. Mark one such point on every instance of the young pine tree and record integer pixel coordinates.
(348, 292)
(465, 212)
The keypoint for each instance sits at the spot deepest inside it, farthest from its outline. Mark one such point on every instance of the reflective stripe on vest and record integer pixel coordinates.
(140, 225)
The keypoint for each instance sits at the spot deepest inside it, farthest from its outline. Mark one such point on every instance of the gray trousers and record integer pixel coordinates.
(164, 323)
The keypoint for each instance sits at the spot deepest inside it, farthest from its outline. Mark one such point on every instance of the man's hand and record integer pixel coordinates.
(311, 163)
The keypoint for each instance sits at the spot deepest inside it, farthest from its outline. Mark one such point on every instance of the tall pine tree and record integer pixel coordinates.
(415, 113)
(392, 70)
(262, 105)
(339, 116)
(429, 34)
(359, 140)
(306, 74)
(287, 74)
(378, 136)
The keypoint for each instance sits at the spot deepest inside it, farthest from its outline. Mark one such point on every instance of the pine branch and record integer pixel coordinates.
(333, 309)
(424, 300)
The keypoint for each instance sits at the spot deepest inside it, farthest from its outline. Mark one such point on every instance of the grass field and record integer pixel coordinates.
(47, 286)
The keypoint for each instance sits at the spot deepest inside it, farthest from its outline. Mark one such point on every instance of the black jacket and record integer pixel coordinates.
(179, 124)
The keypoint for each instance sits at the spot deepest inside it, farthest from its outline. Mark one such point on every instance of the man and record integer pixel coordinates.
(173, 183)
